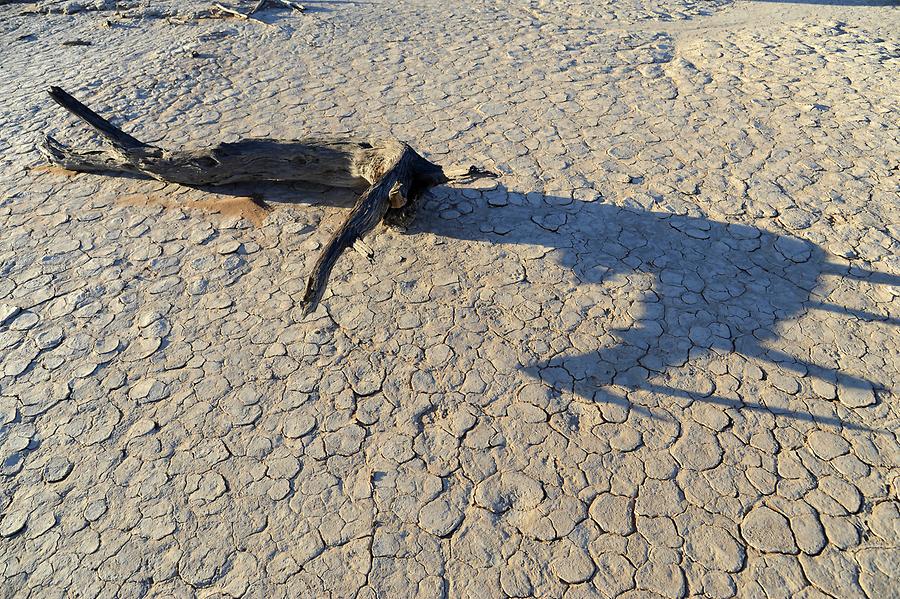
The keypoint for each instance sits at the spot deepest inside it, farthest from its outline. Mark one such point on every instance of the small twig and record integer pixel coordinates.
(232, 12)
(467, 175)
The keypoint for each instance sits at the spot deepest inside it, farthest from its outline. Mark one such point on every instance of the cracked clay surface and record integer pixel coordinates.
(657, 358)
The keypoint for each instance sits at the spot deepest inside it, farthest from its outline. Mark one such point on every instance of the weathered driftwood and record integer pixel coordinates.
(390, 174)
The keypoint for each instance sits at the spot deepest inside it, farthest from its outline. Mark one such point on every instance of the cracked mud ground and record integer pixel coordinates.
(659, 357)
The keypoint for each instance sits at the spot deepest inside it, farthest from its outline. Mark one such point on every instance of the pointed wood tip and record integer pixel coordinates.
(58, 95)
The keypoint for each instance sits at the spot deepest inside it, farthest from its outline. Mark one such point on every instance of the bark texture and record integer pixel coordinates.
(389, 173)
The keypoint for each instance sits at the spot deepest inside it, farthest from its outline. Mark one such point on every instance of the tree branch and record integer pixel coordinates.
(390, 174)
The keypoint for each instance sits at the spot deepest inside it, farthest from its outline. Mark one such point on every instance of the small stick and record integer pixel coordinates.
(467, 175)
(231, 11)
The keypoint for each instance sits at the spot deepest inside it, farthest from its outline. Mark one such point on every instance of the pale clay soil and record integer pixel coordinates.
(658, 357)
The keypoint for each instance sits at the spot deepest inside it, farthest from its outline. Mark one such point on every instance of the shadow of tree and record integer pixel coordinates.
(690, 286)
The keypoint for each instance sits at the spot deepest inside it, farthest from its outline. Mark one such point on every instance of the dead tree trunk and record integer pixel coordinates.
(390, 174)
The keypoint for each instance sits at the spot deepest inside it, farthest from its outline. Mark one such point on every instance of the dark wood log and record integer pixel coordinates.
(390, 174)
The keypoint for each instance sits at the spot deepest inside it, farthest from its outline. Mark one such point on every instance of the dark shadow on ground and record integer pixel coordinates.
(715, 287)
